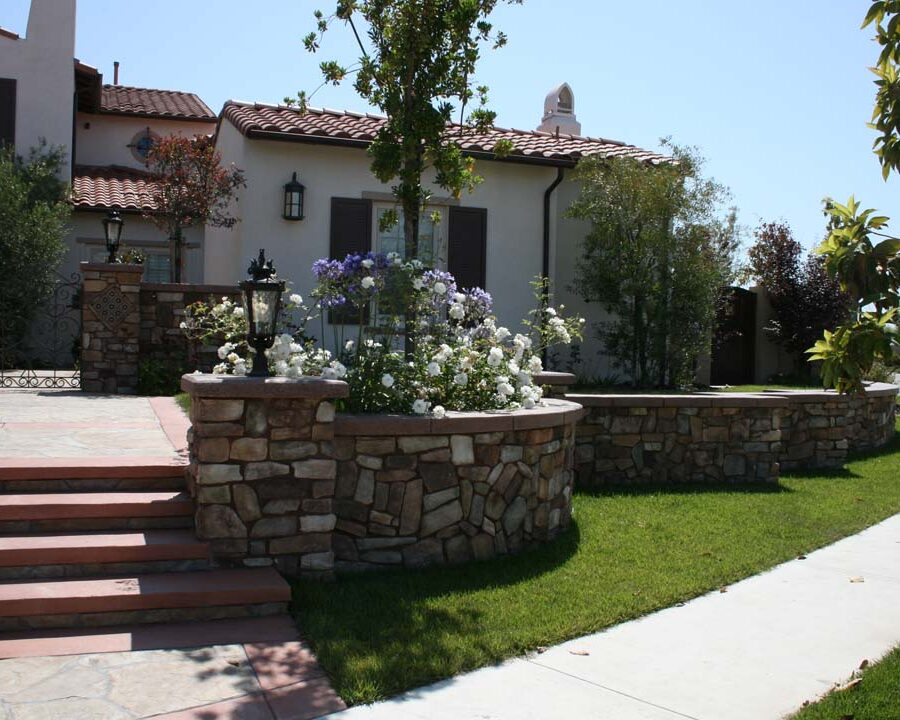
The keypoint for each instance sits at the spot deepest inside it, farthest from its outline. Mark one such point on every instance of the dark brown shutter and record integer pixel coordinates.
(351, 232)
(7, 112)
(467, 246)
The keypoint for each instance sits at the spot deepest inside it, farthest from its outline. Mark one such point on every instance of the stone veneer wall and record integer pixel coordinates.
(110, 323)
(279, 479)
(821, 428)
(722, 436)
(125, 321)
(162, 310)
(629, 439)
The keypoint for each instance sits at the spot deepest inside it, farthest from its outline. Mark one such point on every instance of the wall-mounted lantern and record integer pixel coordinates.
(262, 303)
(293, 199)
(112, 231)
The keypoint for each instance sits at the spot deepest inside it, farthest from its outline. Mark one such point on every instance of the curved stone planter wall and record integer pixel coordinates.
(416, 491)
(279, 478)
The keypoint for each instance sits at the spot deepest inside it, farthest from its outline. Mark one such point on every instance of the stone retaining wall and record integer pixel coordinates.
(627, 439)
(279, 478)
(725, 436)
(821, 428)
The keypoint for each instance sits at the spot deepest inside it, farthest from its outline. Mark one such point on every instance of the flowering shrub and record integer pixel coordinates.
(456, 356)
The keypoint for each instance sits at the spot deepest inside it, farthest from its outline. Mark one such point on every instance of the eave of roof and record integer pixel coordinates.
(356, 130)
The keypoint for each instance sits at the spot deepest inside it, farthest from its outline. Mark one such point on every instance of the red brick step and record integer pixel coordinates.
(99, 547)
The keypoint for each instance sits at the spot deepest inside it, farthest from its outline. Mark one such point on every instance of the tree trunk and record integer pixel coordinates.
(176, 243)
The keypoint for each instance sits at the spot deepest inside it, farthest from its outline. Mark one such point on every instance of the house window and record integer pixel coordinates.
(141, 143)
(430, 246)
(156, 268)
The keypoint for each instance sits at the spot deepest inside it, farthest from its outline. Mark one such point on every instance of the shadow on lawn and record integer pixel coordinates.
(389, 619)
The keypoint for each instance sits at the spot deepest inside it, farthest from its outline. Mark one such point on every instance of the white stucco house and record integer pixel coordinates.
(105, 130)
(509, 230)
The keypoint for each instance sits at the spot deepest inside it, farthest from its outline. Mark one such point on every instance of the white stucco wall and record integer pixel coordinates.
(104, 139)
(512, 194)
(42, 65)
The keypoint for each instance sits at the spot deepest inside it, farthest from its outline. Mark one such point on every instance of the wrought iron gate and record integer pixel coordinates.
(41, 348)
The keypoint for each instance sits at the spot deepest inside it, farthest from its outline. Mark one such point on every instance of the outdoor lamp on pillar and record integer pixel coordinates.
(293, 199)
(262, 303)
(112, 230)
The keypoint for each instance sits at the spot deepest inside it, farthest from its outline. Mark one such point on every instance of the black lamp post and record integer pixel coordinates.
(112, 230)
(293, 199)
(262, 303)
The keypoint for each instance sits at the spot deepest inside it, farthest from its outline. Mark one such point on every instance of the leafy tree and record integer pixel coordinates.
(190, 188)
(418, 70)
(34, 209)
(805, 299)
(656, 257)
(865, 260)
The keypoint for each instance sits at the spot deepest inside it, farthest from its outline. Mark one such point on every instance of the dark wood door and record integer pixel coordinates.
(734, 343)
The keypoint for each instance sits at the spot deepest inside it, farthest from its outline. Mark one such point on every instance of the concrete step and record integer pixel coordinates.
(163, 597)
(87, 505)
(100, 553)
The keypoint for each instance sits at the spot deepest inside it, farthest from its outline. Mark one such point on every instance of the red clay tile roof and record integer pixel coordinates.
(348, 128)
(171, 104)
(111, 186)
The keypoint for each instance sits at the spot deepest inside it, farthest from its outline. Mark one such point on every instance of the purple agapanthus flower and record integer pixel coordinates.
(441, 284)
(478, 303)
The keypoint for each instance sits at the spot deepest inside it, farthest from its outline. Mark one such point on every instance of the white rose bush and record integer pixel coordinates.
(422, 345)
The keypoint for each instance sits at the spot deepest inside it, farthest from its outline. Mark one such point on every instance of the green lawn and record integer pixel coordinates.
(876, 697)
(629, 553)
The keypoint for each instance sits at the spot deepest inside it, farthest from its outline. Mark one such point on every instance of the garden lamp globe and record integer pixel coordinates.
(112, 231)
(262, 303)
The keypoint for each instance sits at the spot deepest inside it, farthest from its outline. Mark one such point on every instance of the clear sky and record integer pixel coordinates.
(776, 93)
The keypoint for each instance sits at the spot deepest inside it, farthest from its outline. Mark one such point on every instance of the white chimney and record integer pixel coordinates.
(559, 112)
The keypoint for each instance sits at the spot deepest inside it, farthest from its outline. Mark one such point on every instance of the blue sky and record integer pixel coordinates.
(775, 93)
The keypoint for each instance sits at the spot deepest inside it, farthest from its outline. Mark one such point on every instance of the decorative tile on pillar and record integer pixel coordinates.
(111, 307)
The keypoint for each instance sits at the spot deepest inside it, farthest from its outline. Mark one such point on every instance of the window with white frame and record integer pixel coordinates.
(431, 249)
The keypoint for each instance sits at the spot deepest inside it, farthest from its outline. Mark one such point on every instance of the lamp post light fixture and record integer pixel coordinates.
(262, 303)
(112, 230)
(293, 199)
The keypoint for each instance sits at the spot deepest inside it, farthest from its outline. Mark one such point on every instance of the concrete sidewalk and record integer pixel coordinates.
(755, 652)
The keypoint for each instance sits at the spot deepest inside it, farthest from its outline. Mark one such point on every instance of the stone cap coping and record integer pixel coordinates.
(549, 377)
(872, 390)
(550, 413)
(206, 385)
(697, 400)
(111, 267)
(192, 288)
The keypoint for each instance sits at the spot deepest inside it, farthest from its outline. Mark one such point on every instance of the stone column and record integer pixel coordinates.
(262, 469)
(111, 324)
